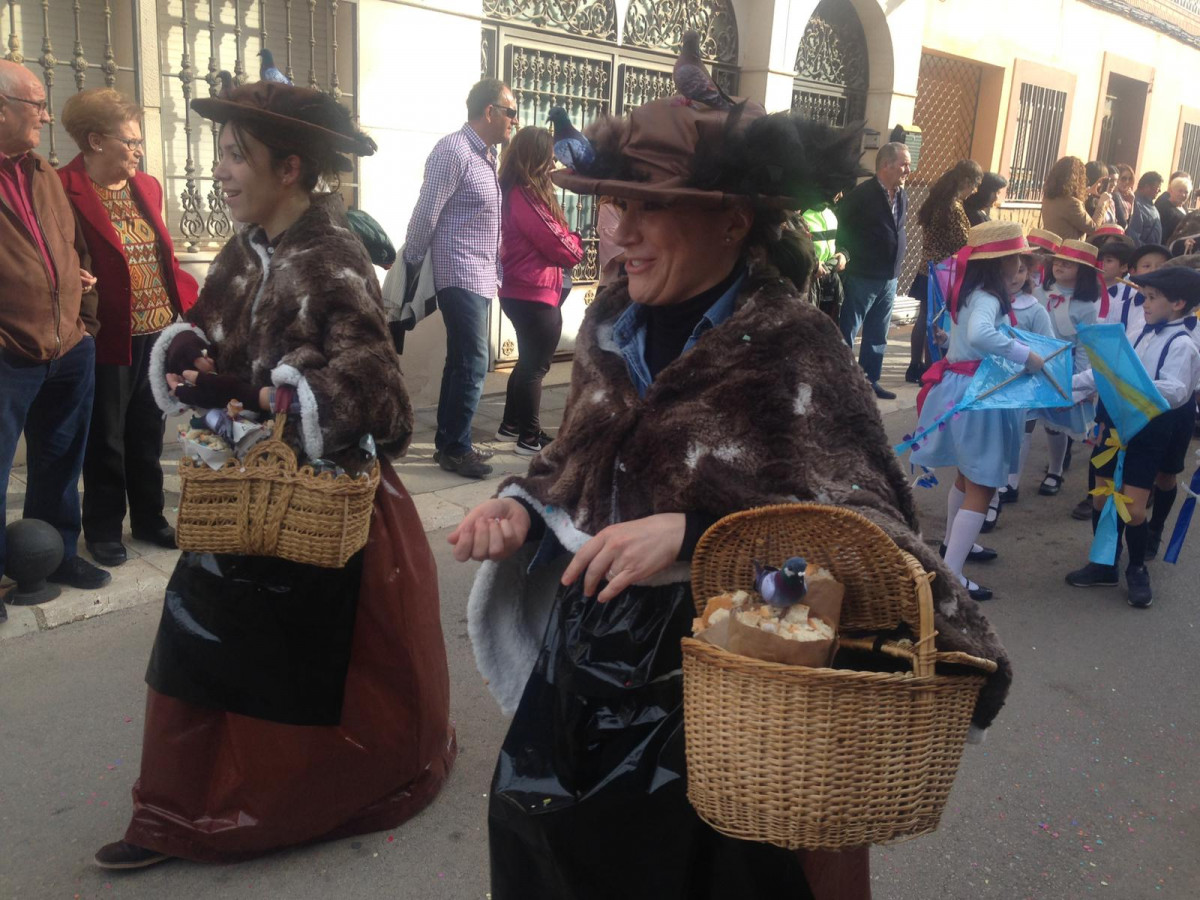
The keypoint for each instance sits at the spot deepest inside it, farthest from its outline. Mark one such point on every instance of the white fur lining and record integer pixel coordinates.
(509, 606)
(158, 367)
(310, 425)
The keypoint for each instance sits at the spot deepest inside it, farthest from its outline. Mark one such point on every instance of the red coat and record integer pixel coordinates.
(534, 250)
(108, 258)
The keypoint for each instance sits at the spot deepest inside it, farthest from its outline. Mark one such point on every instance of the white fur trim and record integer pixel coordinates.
(310, 425)
(158, 367)
(509, 606)
(976, 735)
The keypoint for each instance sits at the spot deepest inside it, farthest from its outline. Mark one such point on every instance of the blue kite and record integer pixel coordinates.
(1131, 401)
(999, 383)
(1183, 521)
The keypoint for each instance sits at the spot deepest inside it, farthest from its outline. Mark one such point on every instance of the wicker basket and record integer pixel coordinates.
(823, 758)
(266, 506)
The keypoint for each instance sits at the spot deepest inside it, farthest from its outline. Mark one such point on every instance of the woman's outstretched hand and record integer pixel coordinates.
(627, 553)
(495, 529)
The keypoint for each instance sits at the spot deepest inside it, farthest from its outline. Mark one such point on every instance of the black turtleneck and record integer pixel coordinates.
(669, 327)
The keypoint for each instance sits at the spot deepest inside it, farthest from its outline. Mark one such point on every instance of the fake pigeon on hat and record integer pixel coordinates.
(571, 148)
(692, 78)
(267, 71)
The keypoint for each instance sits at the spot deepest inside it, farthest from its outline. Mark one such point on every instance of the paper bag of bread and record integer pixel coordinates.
(797, 625)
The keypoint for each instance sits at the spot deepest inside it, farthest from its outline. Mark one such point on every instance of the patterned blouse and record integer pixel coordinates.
(152, 310)
(947, 232)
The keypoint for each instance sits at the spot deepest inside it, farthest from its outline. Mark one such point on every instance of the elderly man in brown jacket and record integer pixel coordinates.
(47, 319)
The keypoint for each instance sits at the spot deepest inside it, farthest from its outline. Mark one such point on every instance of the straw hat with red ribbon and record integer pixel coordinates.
(1104, 232)
(987, 240)
(1086, 254)
(1043, 239)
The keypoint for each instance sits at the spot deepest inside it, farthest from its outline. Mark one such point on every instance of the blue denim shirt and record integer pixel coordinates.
(629, 333)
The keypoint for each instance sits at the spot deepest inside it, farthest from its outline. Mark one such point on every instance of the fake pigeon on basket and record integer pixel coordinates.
(571, 148)
(999, 383)
(268, 71)
(780, 588)
(692, 78)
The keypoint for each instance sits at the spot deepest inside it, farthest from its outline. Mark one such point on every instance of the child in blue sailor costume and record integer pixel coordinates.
(1156, 454)
(983, 445)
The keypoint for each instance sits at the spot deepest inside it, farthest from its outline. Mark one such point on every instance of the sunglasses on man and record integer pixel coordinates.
(507, 110)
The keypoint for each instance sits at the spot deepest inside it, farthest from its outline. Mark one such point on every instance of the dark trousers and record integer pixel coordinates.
(868, 306)
(123, 449)
(52, 403)
(539, 326)
(466, 315)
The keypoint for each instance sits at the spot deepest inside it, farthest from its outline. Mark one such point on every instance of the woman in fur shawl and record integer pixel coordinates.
(703, 384)
(289, 703)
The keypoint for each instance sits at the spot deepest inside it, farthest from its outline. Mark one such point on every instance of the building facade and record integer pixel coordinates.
(1013, 85)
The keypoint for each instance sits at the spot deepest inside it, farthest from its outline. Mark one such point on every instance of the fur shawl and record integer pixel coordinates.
(306, 313)
(769, 407)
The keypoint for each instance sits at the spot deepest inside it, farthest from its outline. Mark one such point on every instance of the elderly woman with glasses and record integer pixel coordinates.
(142, 290)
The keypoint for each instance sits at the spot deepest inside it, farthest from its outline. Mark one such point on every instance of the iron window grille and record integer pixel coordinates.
(1038, 135)
(832, 73)
(1189, 151)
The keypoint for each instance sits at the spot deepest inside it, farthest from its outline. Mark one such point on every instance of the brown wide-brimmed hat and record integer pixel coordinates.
(677, 151)
(296, 112)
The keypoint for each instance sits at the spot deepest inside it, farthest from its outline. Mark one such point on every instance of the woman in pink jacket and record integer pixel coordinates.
(536, 246)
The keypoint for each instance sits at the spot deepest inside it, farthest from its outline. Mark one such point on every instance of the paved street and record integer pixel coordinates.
(1085, 787)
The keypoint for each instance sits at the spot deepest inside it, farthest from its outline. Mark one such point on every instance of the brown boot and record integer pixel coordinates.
(122, 855)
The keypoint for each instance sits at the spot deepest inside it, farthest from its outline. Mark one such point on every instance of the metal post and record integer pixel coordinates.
(78, 62)
(109, 66)
(218, 226)
(14, 42)
(191, 223)
(312, 45)
(287, 14)
(239, 66)
(334, 87)
(48, 62)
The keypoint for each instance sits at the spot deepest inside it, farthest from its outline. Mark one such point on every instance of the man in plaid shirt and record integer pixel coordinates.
(458, 218)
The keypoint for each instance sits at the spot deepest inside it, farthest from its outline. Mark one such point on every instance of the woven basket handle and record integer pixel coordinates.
(274, 451)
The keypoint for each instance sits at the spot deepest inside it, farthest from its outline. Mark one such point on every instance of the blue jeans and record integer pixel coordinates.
(868, 306)
(466, 316)
(52, 403)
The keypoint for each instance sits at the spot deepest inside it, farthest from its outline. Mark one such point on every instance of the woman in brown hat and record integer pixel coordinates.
(703, 384)
(289, 703)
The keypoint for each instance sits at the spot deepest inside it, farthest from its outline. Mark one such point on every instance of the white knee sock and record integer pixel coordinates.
(962, 538)
(954, 502)
(1014, 480)
(1056, 443)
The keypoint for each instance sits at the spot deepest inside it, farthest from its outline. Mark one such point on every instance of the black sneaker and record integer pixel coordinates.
(1082, 510)
(1094, 575)
(1137, 580)
(470, 464)
(1153, 543)
(77, 572)
(506, 433)
(1009, 494)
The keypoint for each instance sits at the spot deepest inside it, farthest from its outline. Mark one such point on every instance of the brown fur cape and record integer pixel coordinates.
(769, 407)
(308, 314)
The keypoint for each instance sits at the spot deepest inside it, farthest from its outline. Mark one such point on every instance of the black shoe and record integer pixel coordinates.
(77, 572)
(506, 433)
(1082, 510)
(122, 855)
(470, 464)
(991, 517)
(107, 553)
(1009, 494)
(1050, 485)
(983, 554)
(881, 392)
(1137, 580)
(977, 592)
(1094, 575)
(914, 372)
(532, 445)
(162, 536)
(1153, 543)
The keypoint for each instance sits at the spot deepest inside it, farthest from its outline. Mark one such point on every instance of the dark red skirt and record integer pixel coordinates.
(216, 786)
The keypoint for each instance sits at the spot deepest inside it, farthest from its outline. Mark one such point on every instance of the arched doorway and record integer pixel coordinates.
(832, 68)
